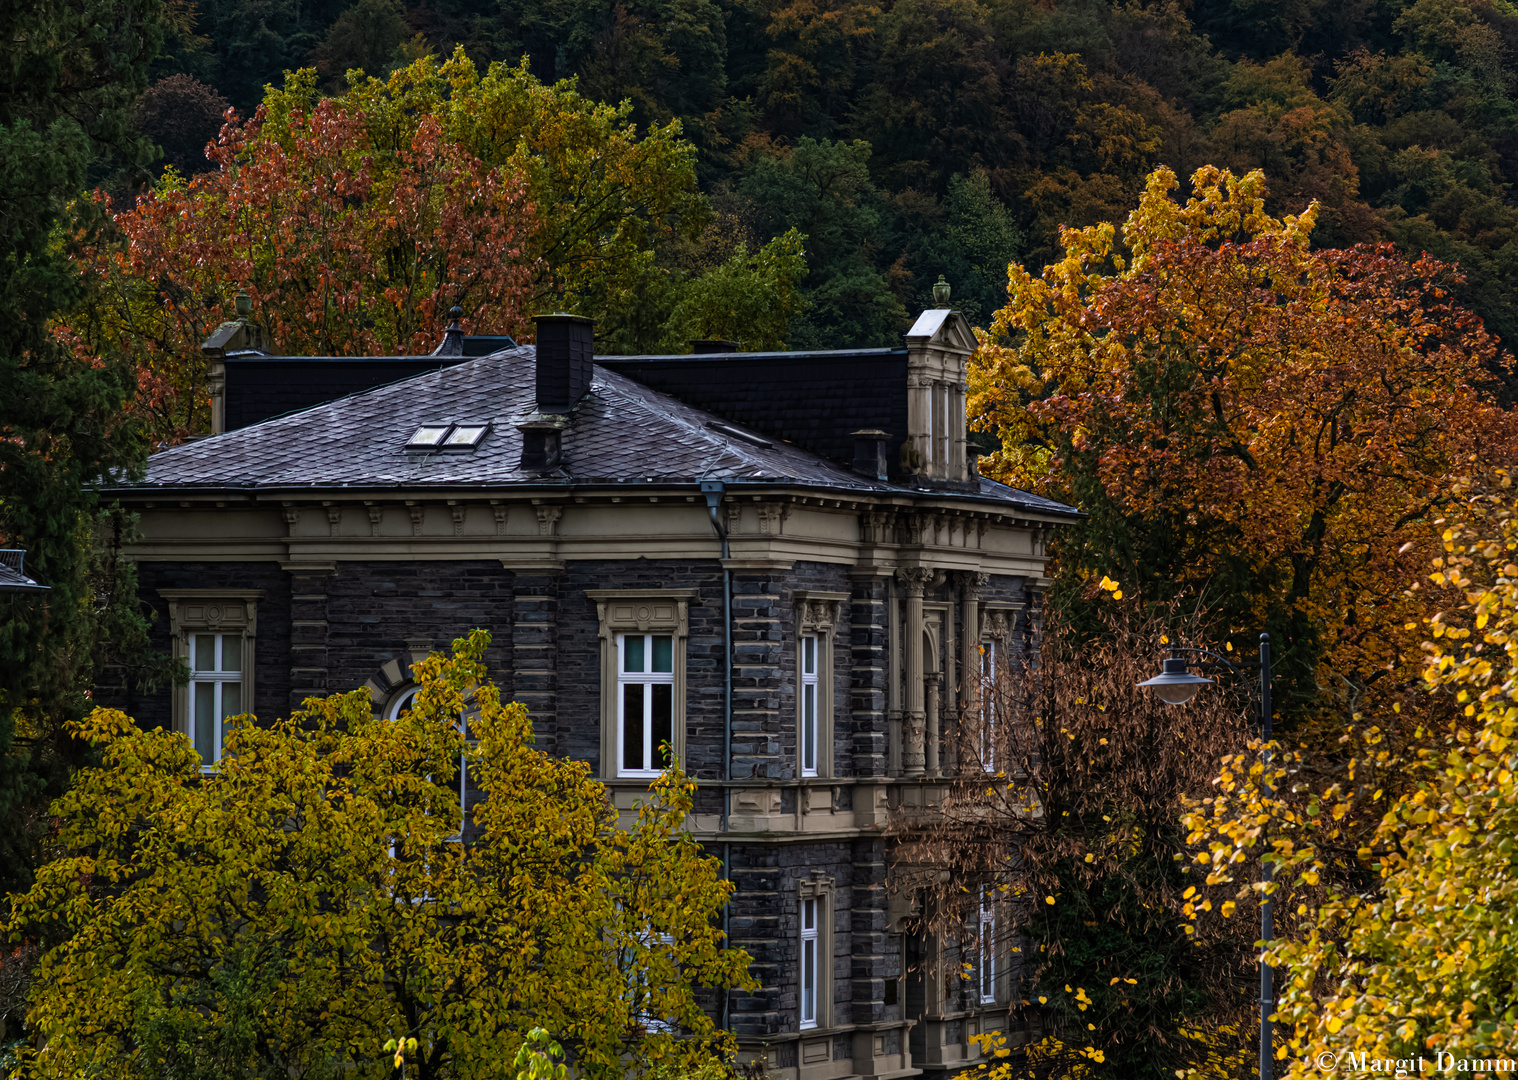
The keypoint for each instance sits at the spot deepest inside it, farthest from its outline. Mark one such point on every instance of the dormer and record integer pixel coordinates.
(938, 348)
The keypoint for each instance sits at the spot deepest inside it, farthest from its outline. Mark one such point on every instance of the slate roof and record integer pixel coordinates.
(621, 432)
(827, 395)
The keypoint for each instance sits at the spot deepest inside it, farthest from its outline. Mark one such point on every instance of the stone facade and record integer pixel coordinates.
(344, 586)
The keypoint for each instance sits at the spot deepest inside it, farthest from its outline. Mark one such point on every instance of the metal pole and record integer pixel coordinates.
(1267, 929)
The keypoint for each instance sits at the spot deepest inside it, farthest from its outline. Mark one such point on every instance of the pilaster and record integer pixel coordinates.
(309, 661)
(757, 655)
(535, 650)
(868, 675)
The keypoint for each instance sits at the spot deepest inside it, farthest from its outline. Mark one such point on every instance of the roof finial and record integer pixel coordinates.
(243, 303)
(941, 292)
(453, 335)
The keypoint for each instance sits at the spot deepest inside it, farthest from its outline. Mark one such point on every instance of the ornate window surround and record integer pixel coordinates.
(646, 611)
(818, 887)
(817, 614)
(211, 611)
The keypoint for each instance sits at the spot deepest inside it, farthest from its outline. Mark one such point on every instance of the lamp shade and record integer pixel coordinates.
(1174, 684)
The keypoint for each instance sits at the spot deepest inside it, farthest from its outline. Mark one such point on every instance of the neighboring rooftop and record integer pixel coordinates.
(12, 573)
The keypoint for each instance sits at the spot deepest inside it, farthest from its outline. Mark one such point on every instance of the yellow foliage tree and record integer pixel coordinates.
(314, 897)
(1419, 970)
(1245, 419)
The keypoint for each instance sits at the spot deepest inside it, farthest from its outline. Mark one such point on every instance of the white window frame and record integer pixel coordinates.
(232, 616)
(808, 735)
(814, 897)
(985, 968)
(639, 611)
(648, 680)
(816, 617)
(808, 986)
(989, 685)
(225, 648)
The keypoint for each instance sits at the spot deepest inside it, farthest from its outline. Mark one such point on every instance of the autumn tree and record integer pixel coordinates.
(1060, 817)
(321, 904)
(1245, 420)
(345, 247)
(1393, 859)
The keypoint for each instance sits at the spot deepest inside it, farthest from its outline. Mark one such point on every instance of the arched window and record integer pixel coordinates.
(401, 702)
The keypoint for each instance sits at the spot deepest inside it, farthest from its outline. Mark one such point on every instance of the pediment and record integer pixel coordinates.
(945, 329)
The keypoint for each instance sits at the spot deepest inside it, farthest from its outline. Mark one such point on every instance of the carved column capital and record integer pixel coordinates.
(914, 579)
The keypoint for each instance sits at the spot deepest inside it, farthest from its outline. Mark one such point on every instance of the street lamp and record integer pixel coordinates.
(1175, 685)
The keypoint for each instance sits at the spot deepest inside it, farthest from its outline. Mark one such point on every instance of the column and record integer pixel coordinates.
(913, 752)
(969, 675)
(868, 675)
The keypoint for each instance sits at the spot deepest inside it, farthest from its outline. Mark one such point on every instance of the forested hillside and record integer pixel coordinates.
(919, 137)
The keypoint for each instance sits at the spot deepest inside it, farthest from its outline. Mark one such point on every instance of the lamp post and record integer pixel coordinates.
(1175, 685)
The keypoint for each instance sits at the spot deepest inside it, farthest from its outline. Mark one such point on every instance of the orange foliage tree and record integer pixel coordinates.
(345, 248)
(1265, 426)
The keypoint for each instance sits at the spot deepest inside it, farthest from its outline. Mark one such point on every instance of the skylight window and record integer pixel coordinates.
(447, 436)
(428, 437)
(465, 436)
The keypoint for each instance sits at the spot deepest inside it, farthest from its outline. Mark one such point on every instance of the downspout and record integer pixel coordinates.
(713, 491)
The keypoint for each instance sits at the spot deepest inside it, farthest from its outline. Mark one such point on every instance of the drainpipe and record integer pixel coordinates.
(713, 491)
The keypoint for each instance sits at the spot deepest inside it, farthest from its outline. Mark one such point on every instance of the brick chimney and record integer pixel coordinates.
(566, 361)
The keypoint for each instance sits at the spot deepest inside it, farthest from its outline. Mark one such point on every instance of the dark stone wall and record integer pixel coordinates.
(577, 731)
(325, 632)
(271, 685)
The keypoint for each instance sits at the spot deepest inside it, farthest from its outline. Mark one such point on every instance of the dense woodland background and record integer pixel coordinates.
(921, 137)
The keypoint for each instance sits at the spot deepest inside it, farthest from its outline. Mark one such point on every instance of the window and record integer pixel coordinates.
(988, 694)
(935, 423)
(215, 690)
(643, 638)
(213, 632)
(645, 703)
(810, 961)
(808, 705)
(400, 703)
(816, 618)
(427, 437)
(986, 964)
(814, 977)
(465, 436)
(446, 435)
(947, 427)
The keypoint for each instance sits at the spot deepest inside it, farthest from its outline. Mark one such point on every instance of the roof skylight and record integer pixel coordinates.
(447, 435)
(428, 437)
(465, 436)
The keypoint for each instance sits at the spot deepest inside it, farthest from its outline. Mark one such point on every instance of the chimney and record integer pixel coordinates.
(542, 442)
(870, 453)
(705, 346)
(977, 445)
(241, 334)
(566, 360)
